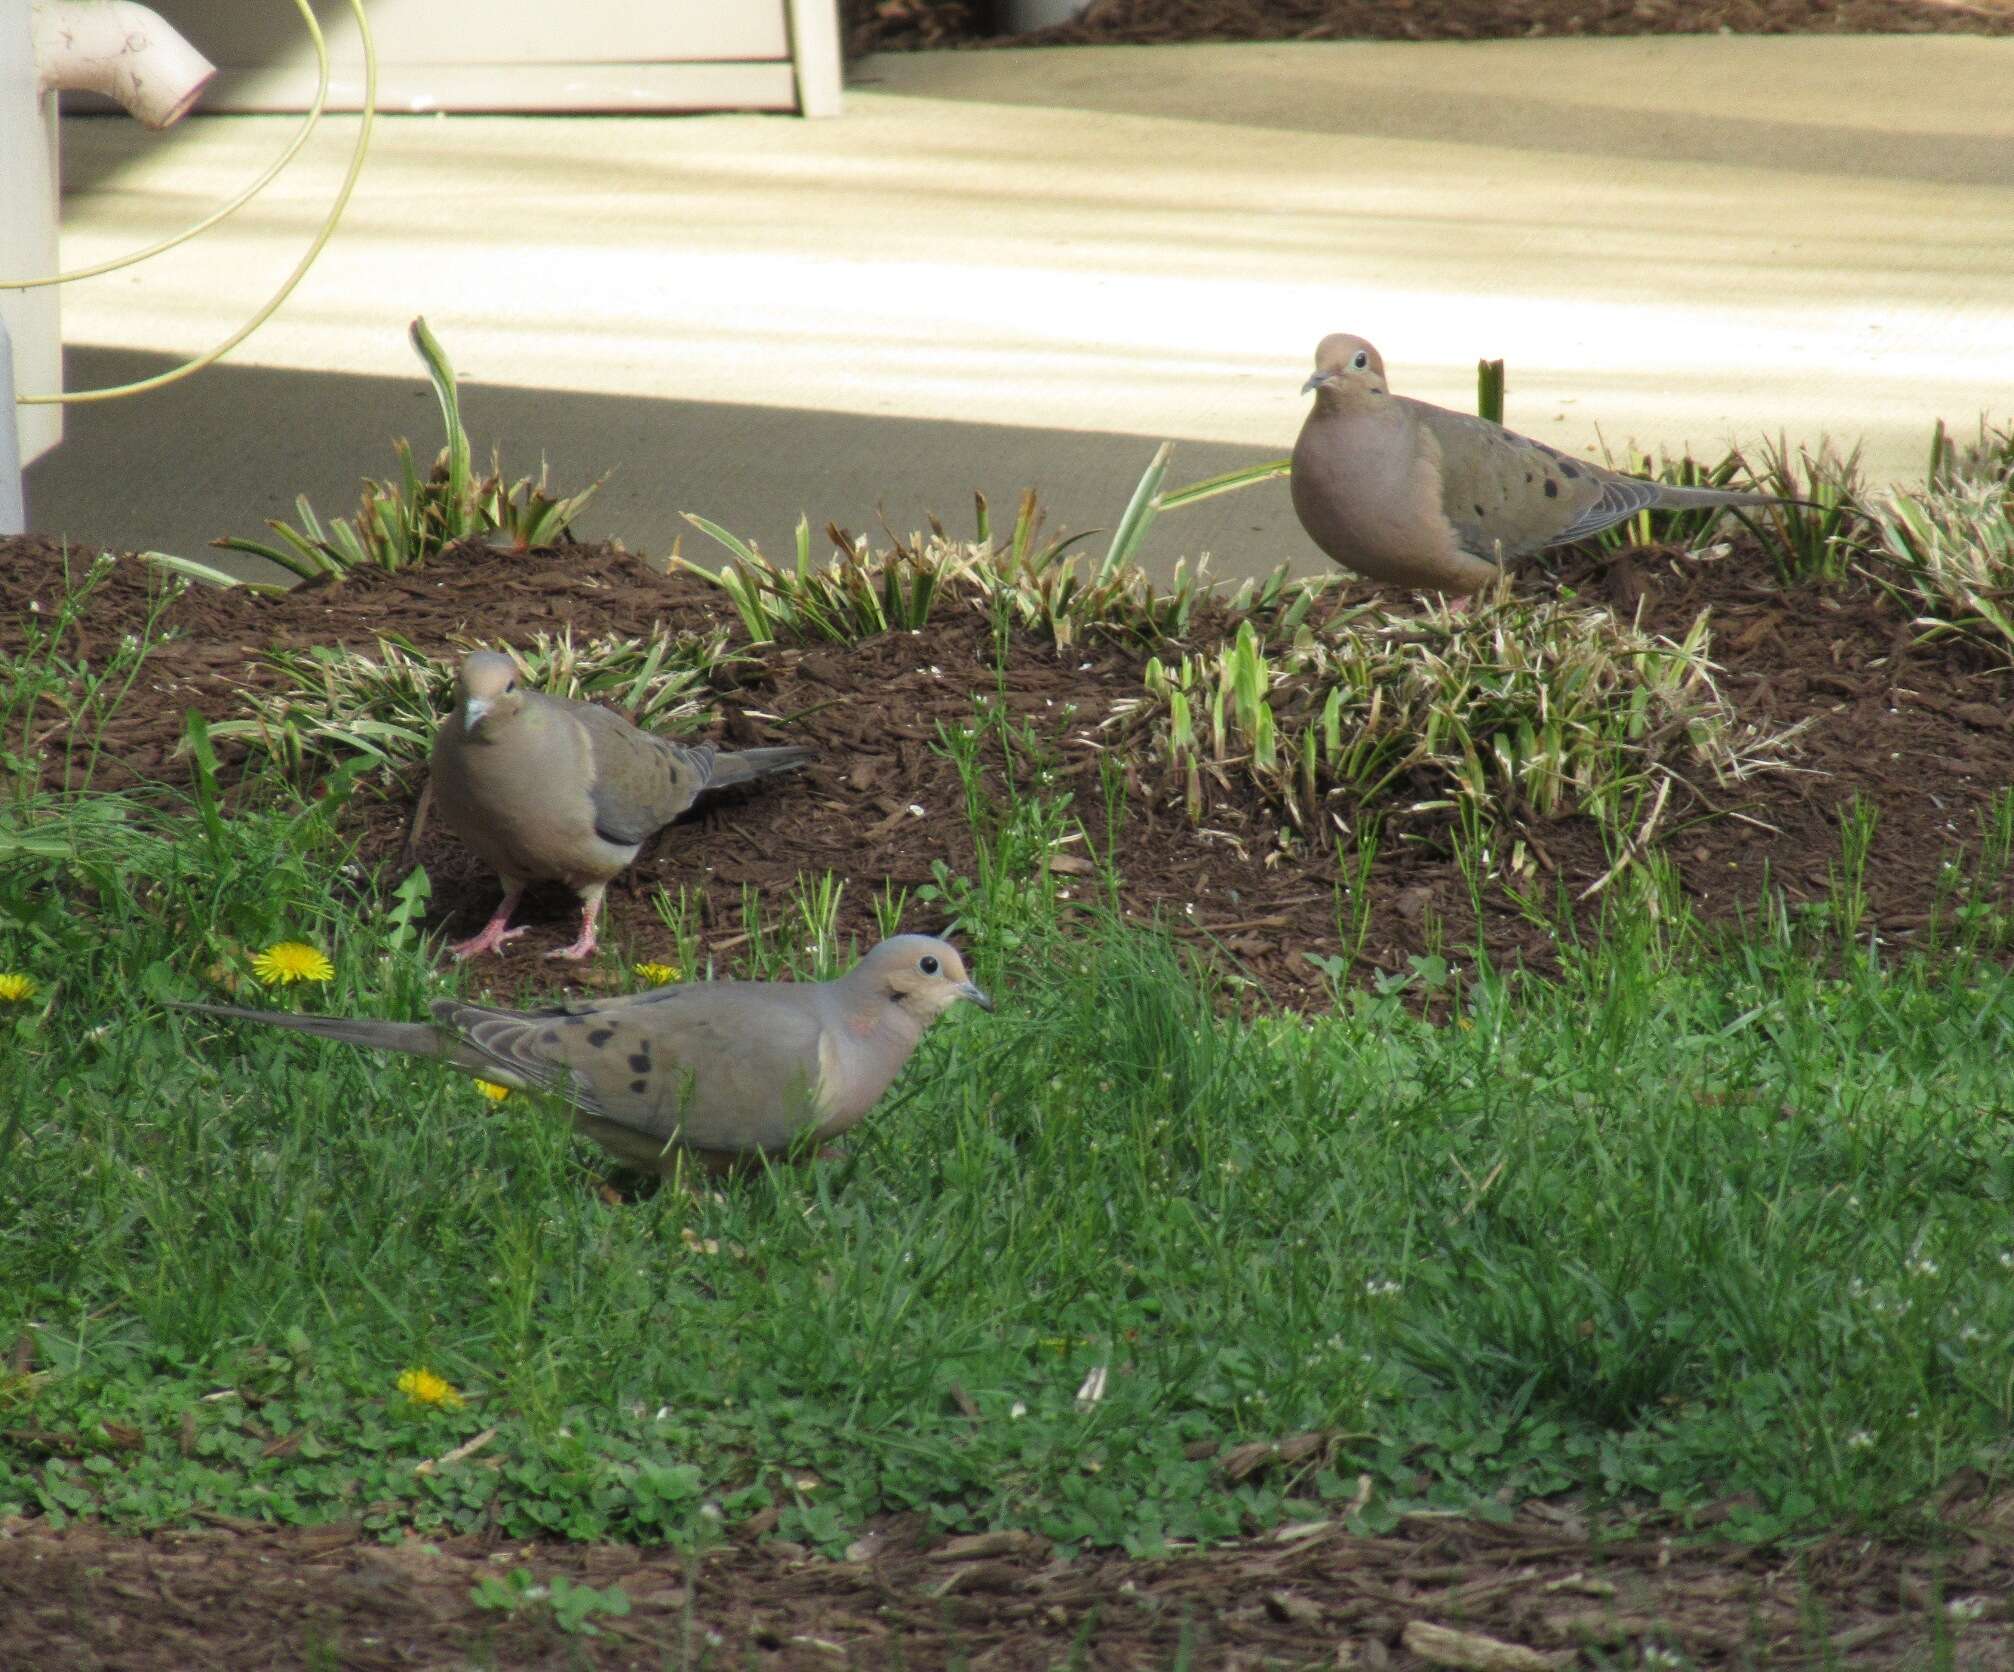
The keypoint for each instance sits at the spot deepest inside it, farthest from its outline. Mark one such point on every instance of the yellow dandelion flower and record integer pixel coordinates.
(655, 975)
(494, 1092)
(286, 962)
(423, 1387)
(16, 988)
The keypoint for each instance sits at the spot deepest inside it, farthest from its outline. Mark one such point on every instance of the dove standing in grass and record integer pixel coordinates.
(723, 1071)
(547, 787)
(1418, 496)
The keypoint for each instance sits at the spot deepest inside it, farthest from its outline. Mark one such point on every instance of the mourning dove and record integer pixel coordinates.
(1419, 496)
(547, 787)
(723, 1070)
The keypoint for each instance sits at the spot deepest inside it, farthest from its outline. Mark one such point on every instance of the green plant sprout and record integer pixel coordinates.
(404, 523)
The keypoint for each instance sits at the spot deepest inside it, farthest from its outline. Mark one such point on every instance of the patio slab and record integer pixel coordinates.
(1003, 269)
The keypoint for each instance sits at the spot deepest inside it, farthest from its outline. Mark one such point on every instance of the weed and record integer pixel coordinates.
(48, 695)
(572, 1607)
(680, 915)
(1019, 879)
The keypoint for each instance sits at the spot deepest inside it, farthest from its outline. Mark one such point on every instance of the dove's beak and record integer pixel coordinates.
(473, 711)
(970, 990)
(1316, 380)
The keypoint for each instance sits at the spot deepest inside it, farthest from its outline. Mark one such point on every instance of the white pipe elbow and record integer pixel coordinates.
(125, 51)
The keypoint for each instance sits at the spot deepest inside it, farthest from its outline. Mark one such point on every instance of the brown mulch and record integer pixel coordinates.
(1922, 733)
(909, 25)
(1539, 1590)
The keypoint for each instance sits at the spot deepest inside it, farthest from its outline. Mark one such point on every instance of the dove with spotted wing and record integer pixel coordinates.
(546, 787)
(723, 1071)
(1420, 496)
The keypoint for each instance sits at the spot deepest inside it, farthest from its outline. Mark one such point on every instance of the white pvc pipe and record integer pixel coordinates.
(28, 235)
(125, 51)
(13, 510)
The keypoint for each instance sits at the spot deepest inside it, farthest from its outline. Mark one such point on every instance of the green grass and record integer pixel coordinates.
(52, 701)
(1694, 1221)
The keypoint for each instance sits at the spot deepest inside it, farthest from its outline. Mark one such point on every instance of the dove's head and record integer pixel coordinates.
(488, 687)
(921, 974)
(1347, 370)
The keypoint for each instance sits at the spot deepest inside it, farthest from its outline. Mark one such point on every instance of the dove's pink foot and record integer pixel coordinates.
(584, 943)
(493, 934)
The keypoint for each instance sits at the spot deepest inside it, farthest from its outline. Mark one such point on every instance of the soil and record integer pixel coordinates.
(1922, 733)
(237, 1595)
(906, 25)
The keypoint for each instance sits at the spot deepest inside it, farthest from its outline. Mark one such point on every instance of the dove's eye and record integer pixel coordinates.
(928, 965)
(1359, 361)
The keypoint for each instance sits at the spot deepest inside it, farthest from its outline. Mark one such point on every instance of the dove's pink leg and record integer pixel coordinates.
(585, 943)
(493, 934)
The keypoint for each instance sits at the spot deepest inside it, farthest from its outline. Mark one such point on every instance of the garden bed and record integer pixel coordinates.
(1920, 733)
(905, 25)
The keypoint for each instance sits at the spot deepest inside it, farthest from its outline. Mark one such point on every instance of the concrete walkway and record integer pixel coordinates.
(1012, 268)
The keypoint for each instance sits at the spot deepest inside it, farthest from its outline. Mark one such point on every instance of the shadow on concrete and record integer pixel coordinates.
(220, 453)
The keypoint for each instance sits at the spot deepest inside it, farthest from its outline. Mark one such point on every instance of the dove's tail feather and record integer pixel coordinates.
(1673, 498)
(744, 766)
(419, 1039)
